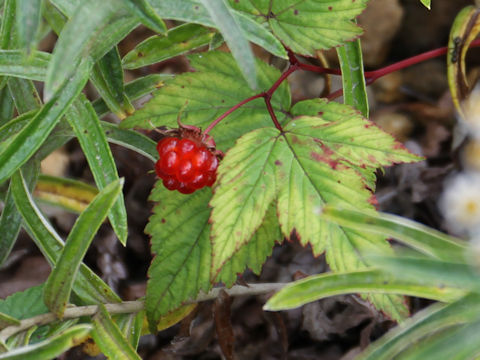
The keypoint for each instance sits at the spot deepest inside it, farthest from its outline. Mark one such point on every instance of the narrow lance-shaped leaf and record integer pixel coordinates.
(7, 106)
(15, 63)
(6, 320)
(434, 318)
(353, 79)
(415, 268)
(80, 39)
(234, 35)
(107, 76)
(59, 284)
(426, 3)
(320, 286)
(180, 268)
(10, 222)
(6, 28)
(93, 141)
(147, 15)
(52, 347)
(411, 233)
(88, 286)
(177, 41)
(24, 94)
(69, 194)
(110, 339)
(31, 137)
(28, 16)
(189, 11)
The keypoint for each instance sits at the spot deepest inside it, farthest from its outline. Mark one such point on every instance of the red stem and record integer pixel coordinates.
(370, 77)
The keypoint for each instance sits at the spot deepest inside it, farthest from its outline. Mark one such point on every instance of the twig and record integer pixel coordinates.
(128, 307)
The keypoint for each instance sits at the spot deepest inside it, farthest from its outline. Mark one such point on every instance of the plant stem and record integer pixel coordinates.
(370, 77)
(128, 307)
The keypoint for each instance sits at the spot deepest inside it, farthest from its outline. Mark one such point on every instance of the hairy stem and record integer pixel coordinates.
(128, 307)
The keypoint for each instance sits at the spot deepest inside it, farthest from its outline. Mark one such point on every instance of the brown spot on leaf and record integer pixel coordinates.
(325, 157)
(163, 221)
(278, 163)
(330, 8)
(295, 12)
(372, 158)
(373, 200)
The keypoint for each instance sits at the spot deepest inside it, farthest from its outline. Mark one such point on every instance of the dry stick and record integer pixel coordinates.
(128, 307)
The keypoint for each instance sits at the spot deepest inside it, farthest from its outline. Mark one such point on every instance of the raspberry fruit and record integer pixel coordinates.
(186, 163)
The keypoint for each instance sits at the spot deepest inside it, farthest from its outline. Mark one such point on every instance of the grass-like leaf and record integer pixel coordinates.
(411, 233)
(69, 194)
(31, 137)
(224, 20)
(147, 15)
(58, 286)
(426, 3)
(107, 76)
(353, 78)
(28, 16)
(135, 89)
(7, 320)
(86, 125)
(7, 106)
(52, 347)
(24, 94)
(215, 87)
(317, 287)
(191, 11)
(88, 286)
(131, 326)
(416, 268)
(16, 63)
(181, 245)
(177, 41)
(10, 222)
(435, 318)
(110, 339)
(306, 26)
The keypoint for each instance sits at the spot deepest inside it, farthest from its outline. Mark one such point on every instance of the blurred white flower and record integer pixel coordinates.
(460, 202)
(471, 112)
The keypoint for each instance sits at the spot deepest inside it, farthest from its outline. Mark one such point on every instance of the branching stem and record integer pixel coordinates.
(370, 77)
(128, 307)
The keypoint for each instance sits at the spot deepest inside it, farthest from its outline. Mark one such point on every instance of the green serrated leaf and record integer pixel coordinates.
(177, 41)
(254, 254)
(86, 125)
(88, 286)
(180, 242)
(215, 87)
(110, 339)
(247, 187)
(58, 286)
(28, 16)
(52, 347)
(31, 137)
(24, 304)
(224, 20)
(192, 11)
(147, 15)
(306, 26)
(320, 286)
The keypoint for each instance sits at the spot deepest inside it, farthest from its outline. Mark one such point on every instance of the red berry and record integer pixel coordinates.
(167, 144)
(171, 183)
(186, 164)
(169, 162)
(185, 171)
(186, 147)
